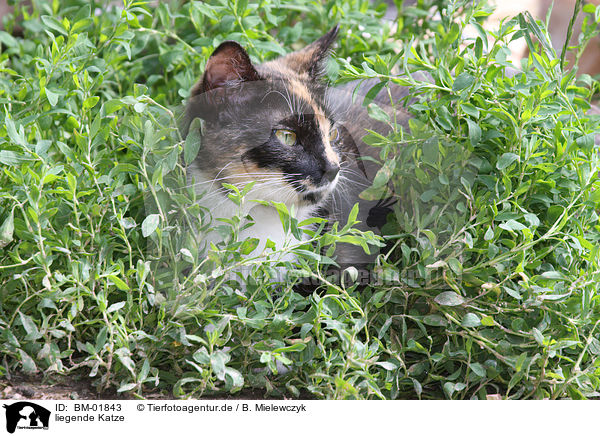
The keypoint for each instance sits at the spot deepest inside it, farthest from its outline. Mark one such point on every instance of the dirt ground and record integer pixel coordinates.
(21, 387)
(24, 387)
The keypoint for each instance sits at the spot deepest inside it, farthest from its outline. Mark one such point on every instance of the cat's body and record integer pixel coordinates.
(361, 164)
(278, 126)
(267, 222)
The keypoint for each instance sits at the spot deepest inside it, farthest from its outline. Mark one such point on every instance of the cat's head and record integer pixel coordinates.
(269, 123)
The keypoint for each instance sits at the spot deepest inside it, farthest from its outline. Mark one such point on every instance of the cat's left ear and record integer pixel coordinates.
(228, 65)
(312, 59)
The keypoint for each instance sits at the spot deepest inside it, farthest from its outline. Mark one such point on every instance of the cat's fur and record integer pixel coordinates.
(243, 106)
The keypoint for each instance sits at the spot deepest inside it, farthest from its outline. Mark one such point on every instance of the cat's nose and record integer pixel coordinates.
(331, 172)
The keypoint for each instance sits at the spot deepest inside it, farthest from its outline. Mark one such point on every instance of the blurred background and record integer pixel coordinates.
(561, 13)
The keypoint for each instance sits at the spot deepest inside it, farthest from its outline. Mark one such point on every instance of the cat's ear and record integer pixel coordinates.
(229, 64)
(312, 59)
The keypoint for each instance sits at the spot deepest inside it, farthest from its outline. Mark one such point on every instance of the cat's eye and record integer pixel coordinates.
(286, 137)
(334, 134)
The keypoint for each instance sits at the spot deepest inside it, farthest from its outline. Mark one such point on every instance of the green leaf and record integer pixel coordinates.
(512, 292)
(119, 283)
(8, 157)
(124, 356)
(594, 347)
(449, 389)
(384, 174)
(7, 39)
(520, 361)
(90, 102)
(249, 245)
(471, 320)
(377, 113)
(29, 366)
(127, 387)
(352, 217)
(193, 141)
(431, 151)
(234, 380)
(512, 225)
(469, 109)
(506, 160)
(372, 93)
(201, 356)
(455, 266)
(241, 7)
(516, 378)
(538, 336)
(298, 346)
(187, 255)
(553, 275)
(474, 132)
(30, 327)
(53, 24)
(150, 224)
(7, 229)
(435, 320)
(487, 321)
(388, 366)
(586, 142)
(374, 193)
(217, 363)
(464, 80)
(206, 9)
(52, 97)
(112, 106)
(81, 24)
(449, 298)
(42, 146)
(478, 369)
(15, 136)
(116, 306)
(532, 219)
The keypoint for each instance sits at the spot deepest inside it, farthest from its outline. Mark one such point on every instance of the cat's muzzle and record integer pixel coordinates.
(331, 173)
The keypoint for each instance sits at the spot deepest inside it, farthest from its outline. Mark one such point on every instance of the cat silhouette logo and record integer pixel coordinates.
(26, 415)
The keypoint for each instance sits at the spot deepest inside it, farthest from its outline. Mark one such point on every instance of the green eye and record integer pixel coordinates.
(334, 134)
(286, 137)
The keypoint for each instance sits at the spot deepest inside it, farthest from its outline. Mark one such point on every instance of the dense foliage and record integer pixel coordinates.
(490, 284)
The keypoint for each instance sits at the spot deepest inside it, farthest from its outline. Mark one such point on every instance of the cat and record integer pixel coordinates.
(278, 125)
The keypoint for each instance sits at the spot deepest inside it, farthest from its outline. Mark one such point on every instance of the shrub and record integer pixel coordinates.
(493, 238)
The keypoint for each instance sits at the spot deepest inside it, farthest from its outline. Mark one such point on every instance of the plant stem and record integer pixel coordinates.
(576, 11)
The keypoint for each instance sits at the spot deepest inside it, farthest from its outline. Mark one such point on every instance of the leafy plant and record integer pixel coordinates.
(489, 286)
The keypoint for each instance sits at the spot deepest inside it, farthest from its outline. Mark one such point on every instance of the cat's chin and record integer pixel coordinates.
(314, 197)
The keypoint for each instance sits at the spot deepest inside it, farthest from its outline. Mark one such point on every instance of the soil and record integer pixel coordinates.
(35, 387)
(21, 387)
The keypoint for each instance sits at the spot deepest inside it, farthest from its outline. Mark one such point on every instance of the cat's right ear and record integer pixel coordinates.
(228, 65)
(312, 59)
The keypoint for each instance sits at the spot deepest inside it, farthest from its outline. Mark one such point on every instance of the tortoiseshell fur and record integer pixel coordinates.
(243, 105)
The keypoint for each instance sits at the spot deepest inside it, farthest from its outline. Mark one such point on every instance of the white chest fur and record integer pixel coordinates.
(267, 225)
